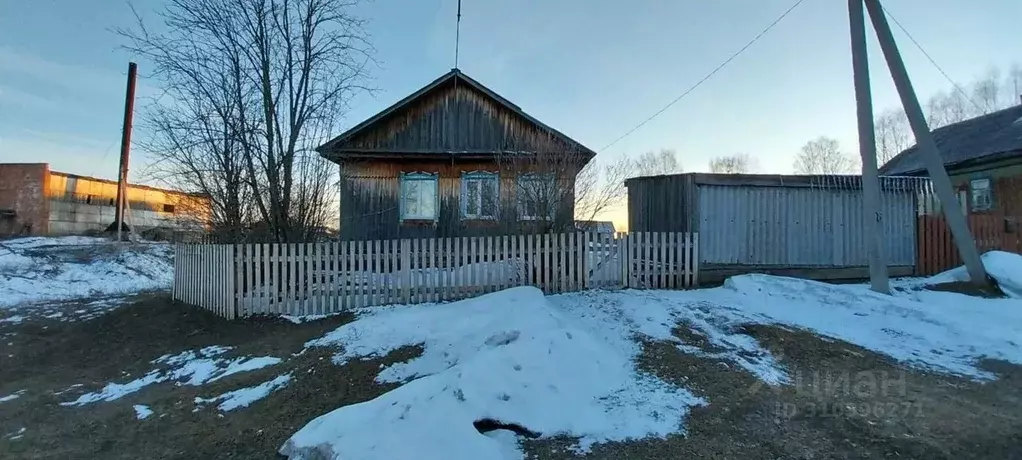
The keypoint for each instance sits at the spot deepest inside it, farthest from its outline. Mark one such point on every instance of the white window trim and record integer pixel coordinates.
(423, 177)
(482, 177)
(989, 194)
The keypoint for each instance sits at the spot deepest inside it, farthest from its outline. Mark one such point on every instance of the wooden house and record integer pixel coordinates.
(454, 159)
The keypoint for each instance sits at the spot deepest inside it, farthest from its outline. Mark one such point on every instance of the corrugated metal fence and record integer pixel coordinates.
(778, 221)
(798, 226)
(317, 278)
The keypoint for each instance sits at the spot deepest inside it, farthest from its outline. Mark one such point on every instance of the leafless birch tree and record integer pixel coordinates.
(739, 163)
(656, 163)
(893, 134)
(823, 155)
(251, 87)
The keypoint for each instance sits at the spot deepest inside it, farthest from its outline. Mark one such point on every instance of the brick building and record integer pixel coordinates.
(37, 201)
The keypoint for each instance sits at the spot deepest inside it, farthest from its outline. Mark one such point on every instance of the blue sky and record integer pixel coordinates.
(592, 69)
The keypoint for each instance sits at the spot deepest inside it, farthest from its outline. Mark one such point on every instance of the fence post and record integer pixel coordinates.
(406, 272)
(233, 283)
(694, 251)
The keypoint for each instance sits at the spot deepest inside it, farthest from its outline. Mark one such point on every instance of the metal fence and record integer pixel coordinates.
(777, 221)
(318, 278)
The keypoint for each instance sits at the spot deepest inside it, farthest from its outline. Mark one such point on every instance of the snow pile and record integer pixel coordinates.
(939, 331)
(186, 368)
(245, 396)
(40, 269)
(509, 357)
(1005, 267)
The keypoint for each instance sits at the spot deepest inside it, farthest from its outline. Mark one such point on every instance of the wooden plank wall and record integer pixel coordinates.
(936, 250)
(321, 278)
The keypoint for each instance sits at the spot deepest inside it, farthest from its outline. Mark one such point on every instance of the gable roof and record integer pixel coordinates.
(988, 137)
(453, 78)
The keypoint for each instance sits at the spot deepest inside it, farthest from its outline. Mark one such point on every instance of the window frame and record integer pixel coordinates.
(482, 178)
(989, 189)
(404, 179)
(520, 202)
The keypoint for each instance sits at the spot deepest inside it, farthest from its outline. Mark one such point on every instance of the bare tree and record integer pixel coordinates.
(1013, 84)
(947, 108)
(823, 155)
(893, 134)
(272, 77)
(986, 92)
(655, 163)
(555, 186)
(739, 163)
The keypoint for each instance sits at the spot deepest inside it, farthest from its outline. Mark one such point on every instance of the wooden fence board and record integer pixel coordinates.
(317, 278)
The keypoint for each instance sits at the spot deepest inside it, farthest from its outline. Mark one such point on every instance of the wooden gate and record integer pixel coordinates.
(936, 247)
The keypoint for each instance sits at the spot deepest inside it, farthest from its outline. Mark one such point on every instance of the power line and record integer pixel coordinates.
(929, 58)
(707, 77)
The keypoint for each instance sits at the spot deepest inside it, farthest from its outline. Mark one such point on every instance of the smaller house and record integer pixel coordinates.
(983, 157)
(35, 200)
(454, 159)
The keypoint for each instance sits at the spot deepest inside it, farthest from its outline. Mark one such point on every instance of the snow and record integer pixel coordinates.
(564, 365)
(17, 434)
(300, 319)
(41, 269)
(16, 319)
(192, 367)
(510, 356)
(1005, 267)
(12, 396)
(142, 412)
(936, 331)
(245, 396)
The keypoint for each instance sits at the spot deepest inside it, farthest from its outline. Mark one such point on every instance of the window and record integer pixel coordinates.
(479, 195)
(982, 198)
(537, 197)
(418, 196)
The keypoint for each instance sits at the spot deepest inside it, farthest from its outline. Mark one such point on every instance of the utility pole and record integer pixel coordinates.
(867, 150)
(927, 145)
(122, 175)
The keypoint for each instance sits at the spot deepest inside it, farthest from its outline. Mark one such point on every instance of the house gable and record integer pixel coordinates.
(454, 116)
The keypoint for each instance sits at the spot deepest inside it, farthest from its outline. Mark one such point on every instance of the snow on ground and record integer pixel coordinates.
(509, 356)
(1005, 267)
(16, 319)
(938, 331)
(63, 310)
(41, 269)
(16, 435)
(245, 396)
(192, 367)
(12, 397)
(142, 412)
(564, 365)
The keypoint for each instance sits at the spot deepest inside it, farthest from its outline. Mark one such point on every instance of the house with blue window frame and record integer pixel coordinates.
(454, 159)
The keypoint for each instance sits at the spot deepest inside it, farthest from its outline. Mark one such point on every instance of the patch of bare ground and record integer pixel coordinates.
(843, 401)
(45, 358)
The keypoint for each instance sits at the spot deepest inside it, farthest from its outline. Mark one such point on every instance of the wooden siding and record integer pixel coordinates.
(369, 202)
(455, 118)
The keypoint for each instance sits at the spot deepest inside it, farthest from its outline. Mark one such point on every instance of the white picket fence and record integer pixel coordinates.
(319, 278)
